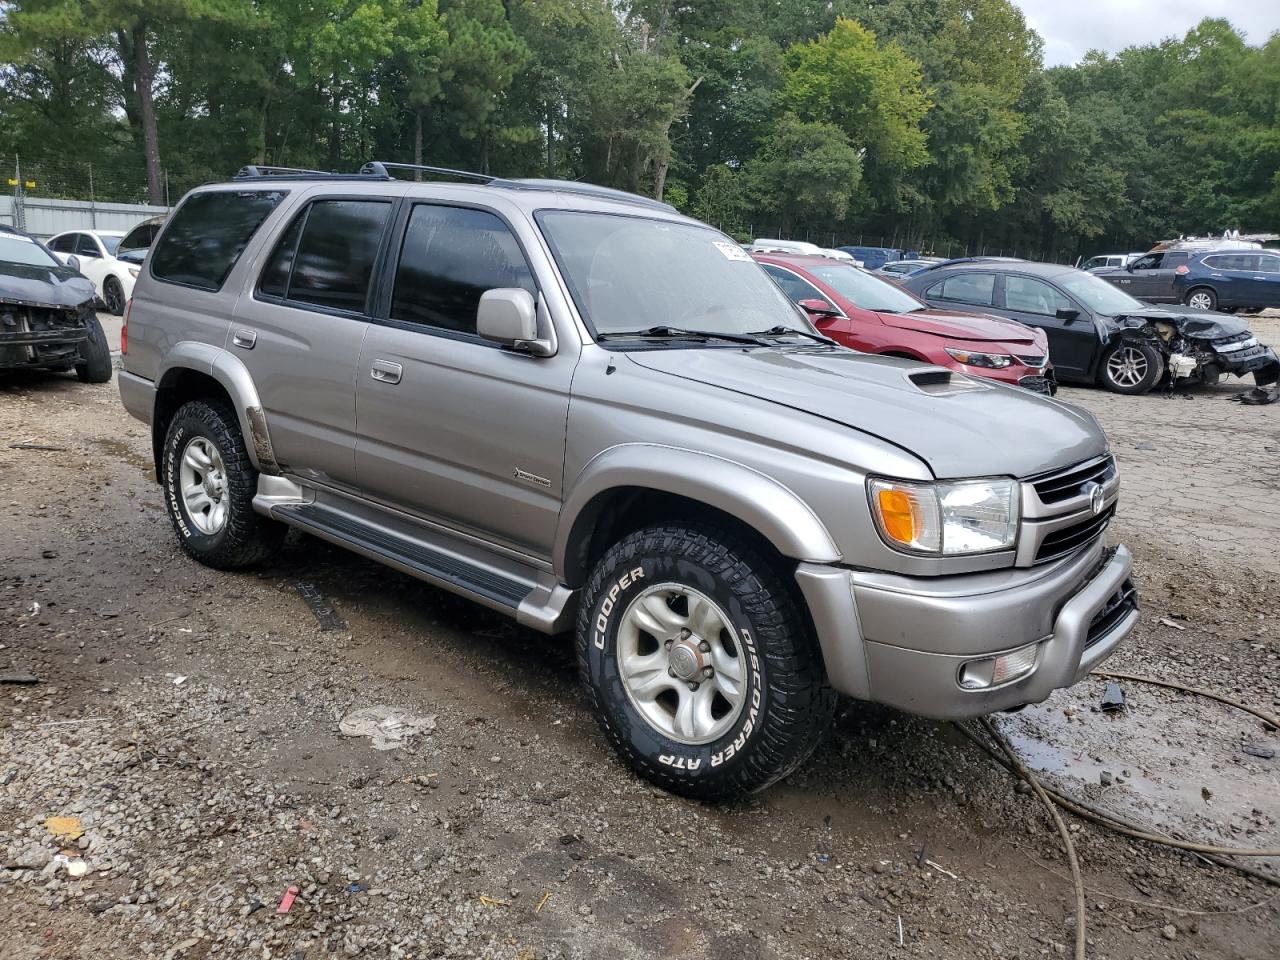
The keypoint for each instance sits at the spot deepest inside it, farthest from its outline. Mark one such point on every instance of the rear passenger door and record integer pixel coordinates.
(300, 332)
(452, 427)
(967, 289)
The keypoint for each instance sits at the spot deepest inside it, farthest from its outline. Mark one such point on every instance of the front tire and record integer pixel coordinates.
(209, 485)
(699, 662)
(1131, 367)
(95, 365)
(1201, 298)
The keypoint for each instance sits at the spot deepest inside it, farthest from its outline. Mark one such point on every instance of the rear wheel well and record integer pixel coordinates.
(612, 514)
(177, 387)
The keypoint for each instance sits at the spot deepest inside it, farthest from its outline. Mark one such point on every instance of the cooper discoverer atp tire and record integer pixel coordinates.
(699, 662)
(209, 484)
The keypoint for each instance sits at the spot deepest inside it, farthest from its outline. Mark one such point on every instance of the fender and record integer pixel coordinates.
(237, 381)
(768, 507)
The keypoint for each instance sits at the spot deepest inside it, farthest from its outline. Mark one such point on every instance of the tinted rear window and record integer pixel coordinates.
(207, 235)
(336, 253)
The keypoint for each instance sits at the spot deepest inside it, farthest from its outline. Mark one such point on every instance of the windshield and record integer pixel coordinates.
(1098, 295)
(14, 249)
(866, 291)
(629, 274)
(110, 243)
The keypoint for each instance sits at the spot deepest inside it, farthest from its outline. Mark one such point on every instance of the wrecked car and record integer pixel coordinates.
(47, 321)
(1100, 334)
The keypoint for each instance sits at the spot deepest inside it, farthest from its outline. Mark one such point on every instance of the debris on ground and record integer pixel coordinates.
(387, 727)
(37, 446)
(1172, 623)
(19, 677)
(286, 902)
(325, 615)
(1112, 698)
(65, 828)
(1259, 751)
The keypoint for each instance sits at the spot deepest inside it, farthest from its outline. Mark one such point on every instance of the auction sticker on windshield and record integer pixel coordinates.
(731, 251)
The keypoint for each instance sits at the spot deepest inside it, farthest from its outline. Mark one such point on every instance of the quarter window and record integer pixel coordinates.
(1032, 296)
(205, 237)
(450, 257)
(975, 288)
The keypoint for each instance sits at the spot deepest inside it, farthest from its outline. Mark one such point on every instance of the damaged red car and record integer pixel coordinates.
(874, 315)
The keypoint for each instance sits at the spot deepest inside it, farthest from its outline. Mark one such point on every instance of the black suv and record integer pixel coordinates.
(1097, 332)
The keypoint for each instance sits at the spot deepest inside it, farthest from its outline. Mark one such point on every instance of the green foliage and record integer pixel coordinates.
(917, 120)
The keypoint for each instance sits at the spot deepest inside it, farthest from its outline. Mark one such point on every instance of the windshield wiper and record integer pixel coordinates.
(674, 333)
(781, 331)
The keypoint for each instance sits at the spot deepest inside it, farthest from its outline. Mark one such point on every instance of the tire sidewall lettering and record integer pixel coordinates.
(604, 671)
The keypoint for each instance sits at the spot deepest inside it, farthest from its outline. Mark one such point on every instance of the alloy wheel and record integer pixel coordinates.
(202, 478)
(1127, 366)
(680, 664)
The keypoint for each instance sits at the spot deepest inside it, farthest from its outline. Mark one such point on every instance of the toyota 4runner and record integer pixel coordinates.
(582, 409)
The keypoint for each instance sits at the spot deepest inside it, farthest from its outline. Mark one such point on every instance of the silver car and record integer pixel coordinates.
(584, 410)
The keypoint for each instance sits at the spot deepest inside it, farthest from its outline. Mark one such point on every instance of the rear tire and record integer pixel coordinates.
(1201, 298)
(728, 693)
(209, 485)
(1131, 367)
(95, 367)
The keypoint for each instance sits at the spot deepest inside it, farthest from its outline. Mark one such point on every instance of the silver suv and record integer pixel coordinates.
(582, 409)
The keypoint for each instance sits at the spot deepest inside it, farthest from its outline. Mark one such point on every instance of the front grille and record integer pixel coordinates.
(1063, 541)
(1116, 609)
(1069, 483)
(1031, 360)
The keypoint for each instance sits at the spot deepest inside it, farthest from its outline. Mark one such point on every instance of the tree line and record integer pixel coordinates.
(930, 123)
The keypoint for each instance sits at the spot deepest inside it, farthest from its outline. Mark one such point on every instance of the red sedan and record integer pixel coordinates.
(875, 315)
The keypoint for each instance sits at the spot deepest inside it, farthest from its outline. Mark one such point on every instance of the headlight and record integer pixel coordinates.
(994, 361)
(947, 519)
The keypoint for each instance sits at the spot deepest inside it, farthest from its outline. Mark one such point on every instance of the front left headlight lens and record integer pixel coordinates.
(947, 519)
(970, 358)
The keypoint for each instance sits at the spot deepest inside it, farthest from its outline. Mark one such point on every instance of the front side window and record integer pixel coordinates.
(1033, 296)
(630, 273)
(207, 234)
(795, 288)
(86, 246)
(450, 257)
(975, 288)
(64, 244)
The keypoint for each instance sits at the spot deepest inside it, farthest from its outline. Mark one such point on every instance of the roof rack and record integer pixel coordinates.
(381, 170)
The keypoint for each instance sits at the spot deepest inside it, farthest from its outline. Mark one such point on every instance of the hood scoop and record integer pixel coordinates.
(940, 380)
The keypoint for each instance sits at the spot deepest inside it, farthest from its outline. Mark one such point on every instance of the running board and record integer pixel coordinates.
(517, 591)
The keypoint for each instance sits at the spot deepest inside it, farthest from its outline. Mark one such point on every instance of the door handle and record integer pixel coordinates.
(244, 338)
(384, 371)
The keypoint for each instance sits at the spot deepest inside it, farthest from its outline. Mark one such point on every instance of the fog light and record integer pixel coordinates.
(993, 671)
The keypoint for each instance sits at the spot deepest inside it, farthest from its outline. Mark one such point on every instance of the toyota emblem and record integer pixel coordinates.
(1096, 497)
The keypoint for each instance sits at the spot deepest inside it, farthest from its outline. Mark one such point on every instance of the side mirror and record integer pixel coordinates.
(1068, 314)
(1129, 266)
(73, 262)
(816, 308)
(509, 316)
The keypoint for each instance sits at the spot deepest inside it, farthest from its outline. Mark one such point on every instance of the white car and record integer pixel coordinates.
(96, 252)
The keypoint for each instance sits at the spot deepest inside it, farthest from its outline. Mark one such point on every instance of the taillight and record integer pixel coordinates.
(124, 328)
(1181, 269)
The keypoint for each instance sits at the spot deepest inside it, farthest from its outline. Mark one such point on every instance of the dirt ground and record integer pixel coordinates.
(190, 721)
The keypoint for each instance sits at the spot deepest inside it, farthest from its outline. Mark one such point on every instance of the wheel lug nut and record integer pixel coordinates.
(707, 672)
(685, 633)
(704, 647)
(669, 644)
(693, 684)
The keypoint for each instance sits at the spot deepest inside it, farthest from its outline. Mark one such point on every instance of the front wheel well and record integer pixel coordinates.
(179, 386)
(612, 514)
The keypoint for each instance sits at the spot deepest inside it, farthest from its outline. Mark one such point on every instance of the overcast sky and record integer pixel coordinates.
(1072, 27)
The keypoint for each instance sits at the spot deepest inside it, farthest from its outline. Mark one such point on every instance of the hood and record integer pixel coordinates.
(59, 288)
(1204, 324)
(955, 325)
(970, 427)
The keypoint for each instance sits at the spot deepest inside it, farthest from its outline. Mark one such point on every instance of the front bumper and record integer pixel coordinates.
(41, 348)
(902, 641)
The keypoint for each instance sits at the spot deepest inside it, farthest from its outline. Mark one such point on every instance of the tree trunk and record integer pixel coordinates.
(417, 142)
(551, 159)
(335, 126)
(660, 179)
(147, 114)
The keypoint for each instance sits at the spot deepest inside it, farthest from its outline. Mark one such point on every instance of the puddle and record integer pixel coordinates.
(122, 451)
(1171, 761)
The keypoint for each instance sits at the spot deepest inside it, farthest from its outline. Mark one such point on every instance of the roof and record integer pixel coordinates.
(1003, 265)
